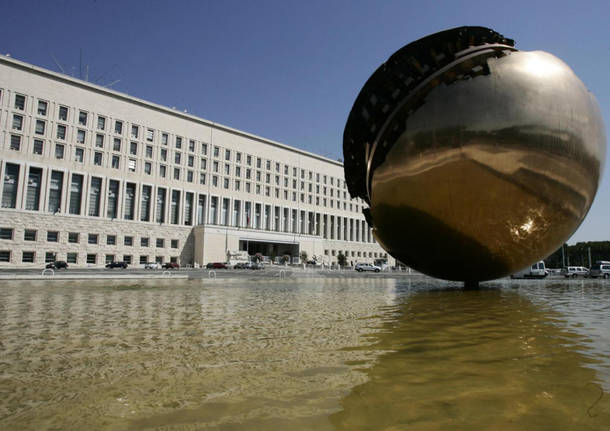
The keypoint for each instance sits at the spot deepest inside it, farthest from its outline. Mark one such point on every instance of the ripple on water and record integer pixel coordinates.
(365, 353)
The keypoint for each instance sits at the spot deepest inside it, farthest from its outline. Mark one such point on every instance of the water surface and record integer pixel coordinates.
(365, 353)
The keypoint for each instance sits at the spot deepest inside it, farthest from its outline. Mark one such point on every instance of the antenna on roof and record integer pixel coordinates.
(58, 65)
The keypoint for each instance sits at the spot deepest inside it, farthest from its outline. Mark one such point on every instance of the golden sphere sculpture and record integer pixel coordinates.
(475, 159)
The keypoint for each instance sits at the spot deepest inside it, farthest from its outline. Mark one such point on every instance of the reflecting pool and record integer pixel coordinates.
(336, 353)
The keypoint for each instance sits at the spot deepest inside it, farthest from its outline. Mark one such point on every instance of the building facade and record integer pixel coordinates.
(91, 175)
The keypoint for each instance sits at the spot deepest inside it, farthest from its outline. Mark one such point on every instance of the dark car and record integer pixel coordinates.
(242, 265)
(171, 265)
(112, 265)
(58, 264)
(216, 265)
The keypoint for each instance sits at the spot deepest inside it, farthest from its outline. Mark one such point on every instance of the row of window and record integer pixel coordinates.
(130, 201)
(29, 256)
(61, 133)
(92, 238)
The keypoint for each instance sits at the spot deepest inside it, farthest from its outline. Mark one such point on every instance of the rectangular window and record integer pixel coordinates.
(191, 161)
(91, 259)
(110, 239)
(79, 155)
(15, 142)
(144, 242)
(99, 141)
(127, 259)
(19, 102)
(128, 241)
(213, 210)
(42, 107)
(216, 151)
(143, 260)
(29, 235)
(202, 178)
(55, 191)
(40, 126)
(98, 158)
(6, 233)
(227, 154)
(80, 136)
(177, 158)
(109, 258)
(10, 184)
(145, 204)
(189, 176)
(113, 199)
(61, 132)
(76, 190)
(204, 149)
(63, 113)
(131, 165)
(116, 144)
(160, 210)
(204, 164)
(134, 131)
(82, 118)
(27, 257)
(32, 200)
(73, 237)
(148, 168)
(174, 243)
(163, 154)
(174, 214)
(238, 157)
(116, 162)
(17, 122)
(92, 238)
(130, 201)
(52, 236)
(191, 146)
(94, 196)
(101, 123)
(118, 127)
(188, 209)
(59, 151)
(133, 148)
(176, 173)
(178, 142)
(162, 171)
(201, 209)
(5, 256)
(49, 257)
(38, 146)
(72, 257)
(160, 243)
(150, 135)
(149, 151)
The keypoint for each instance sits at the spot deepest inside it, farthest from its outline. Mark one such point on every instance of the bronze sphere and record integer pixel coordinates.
(476, 159)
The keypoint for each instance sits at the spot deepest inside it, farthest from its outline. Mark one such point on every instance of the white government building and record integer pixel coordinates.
(91, 175)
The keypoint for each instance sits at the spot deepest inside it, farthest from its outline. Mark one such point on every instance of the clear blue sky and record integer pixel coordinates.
(289, 70)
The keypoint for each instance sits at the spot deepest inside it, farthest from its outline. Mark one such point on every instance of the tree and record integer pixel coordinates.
(303, 256)
(341, 259)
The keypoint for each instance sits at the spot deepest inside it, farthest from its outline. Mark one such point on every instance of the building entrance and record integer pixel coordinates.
(270, 251)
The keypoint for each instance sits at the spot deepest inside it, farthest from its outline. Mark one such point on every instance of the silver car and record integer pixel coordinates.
(366, 267)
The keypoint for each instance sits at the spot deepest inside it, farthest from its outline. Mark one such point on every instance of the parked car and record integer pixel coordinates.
(242, 265)
(171, 265)
(151, 265)
(113, 265)
(58, 264)
(537, 270)
(366, 267)
(600, 269)
(216, 265)
(574, 271)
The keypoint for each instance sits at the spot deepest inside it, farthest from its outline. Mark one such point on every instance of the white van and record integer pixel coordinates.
(537, 270)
